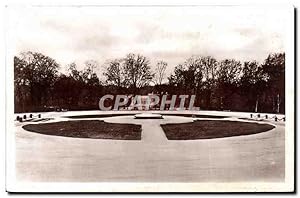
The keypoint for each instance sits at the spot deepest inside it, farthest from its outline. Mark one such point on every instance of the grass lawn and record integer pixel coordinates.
(208, 129)
(95, 129)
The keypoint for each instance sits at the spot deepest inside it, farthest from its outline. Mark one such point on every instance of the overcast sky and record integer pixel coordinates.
(172, 34)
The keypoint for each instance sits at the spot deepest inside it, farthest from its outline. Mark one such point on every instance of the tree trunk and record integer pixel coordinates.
(278, 103)
(256, 105)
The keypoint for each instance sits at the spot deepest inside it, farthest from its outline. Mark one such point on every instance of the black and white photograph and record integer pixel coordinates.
(150, 98)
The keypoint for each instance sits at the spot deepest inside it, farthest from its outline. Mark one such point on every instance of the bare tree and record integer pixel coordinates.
(230, 71)
(160, 72)
(137, 71)
(194, 73)
(91, 66)
(73, 71)
(210, 68)
(274, 69)
(252, 84)
(114, 73)
(35, 73)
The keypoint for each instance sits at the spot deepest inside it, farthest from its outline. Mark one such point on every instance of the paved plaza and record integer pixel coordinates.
(154, 158)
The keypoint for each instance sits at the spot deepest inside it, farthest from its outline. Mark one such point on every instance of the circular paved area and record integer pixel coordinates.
(252, 158)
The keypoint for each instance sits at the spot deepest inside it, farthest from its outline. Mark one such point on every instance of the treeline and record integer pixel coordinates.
(218, 85)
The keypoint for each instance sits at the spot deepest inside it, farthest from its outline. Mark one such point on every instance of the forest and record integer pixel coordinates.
(223, 85)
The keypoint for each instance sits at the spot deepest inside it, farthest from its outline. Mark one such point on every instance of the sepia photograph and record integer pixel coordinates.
(150, 98)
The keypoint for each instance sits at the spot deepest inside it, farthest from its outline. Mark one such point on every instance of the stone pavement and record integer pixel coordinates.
(42, 158)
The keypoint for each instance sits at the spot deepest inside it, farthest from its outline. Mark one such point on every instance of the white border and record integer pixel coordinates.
(14, 186)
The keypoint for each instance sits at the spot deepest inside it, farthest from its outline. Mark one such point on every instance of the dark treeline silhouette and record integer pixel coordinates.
(218, 85)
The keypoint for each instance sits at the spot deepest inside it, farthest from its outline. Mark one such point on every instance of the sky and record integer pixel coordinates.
(172, 34)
